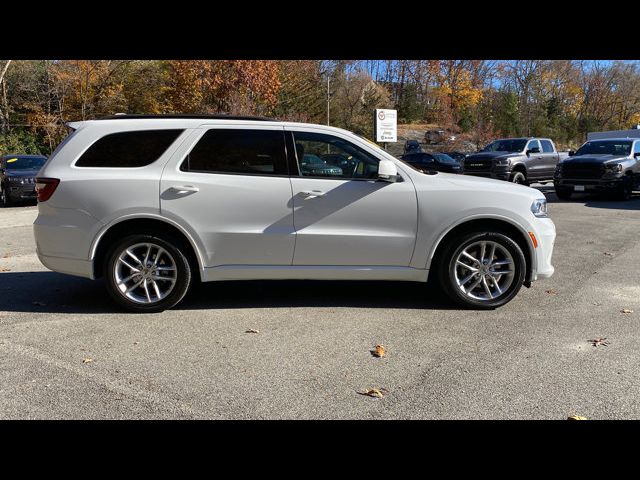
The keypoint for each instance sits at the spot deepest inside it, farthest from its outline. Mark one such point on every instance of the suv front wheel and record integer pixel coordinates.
(147, 273)
(482, 269)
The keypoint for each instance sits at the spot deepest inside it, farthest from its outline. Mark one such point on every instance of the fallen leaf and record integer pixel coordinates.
(576, 417)
(378, 351)
(597, 304)
(626, 310)
(2, 269)
(6, 255)
(374, 392)
(136, 343)
(608, 254)
(87, 360)
(40, 304)
(251, 330)
(551, 291)
(597, 342)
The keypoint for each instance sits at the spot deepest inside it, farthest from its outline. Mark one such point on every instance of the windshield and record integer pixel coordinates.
(605, 147)
(25, 163)
(509, 145)
(444, 158)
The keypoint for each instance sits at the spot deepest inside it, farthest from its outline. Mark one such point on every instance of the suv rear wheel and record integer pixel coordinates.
(482, 269)
(147, 273)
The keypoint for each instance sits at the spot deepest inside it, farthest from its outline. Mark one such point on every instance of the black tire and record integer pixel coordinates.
(446, 266)
(182, 269)
(519, 178)
(625, 191)
(563, 193)
(5, 201)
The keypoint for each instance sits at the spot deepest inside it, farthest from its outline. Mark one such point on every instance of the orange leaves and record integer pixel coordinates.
(233, 86)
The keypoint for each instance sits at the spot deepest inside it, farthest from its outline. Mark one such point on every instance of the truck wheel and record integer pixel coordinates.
(482, 269)
(625, 191)
(5, 201)
(519, 178)
(147, 273)
(563, 193)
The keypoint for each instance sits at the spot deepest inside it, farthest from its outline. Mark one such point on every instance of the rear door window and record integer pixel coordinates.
(547, 147)
(238, 151)
(128, 149)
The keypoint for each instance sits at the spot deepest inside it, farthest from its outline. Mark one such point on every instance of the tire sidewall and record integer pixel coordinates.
(519, 175)
(183, 273)
(447, 269)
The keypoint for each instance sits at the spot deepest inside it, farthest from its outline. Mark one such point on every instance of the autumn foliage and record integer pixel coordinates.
(483, 99)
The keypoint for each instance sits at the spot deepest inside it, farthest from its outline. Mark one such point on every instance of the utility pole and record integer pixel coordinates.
(328, 97)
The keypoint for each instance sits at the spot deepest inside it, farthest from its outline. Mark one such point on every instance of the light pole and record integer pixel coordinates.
(328, 86)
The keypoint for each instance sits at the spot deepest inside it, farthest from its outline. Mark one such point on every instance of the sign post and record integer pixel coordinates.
(385, 126)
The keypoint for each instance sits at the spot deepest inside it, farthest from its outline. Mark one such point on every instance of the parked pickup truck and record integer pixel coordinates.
(607, 165)
(517, 160)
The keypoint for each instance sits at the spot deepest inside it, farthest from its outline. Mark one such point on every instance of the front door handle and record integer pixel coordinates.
(184, 189)
(312, 193)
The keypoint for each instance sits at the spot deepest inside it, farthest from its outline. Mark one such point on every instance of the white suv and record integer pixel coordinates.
(150, 202)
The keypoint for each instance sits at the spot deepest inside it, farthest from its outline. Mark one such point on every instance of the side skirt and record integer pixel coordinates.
(311, 272)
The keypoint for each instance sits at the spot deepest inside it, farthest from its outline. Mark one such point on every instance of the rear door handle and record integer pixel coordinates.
(312, 193)
(184, 189)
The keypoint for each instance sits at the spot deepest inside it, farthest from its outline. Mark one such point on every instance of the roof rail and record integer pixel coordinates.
(123, 116)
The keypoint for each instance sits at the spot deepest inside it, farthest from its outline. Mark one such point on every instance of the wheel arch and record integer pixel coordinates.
(499, 224)
(142, 224)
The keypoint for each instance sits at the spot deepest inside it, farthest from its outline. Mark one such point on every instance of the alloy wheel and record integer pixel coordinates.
(484, 270)
(145, 273)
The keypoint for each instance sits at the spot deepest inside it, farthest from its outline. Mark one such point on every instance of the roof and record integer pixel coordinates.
(121, 116)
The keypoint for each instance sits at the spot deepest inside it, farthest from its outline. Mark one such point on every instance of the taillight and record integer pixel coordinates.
(45, 188)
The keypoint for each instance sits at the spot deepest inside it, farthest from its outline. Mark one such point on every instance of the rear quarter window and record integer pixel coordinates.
(128, 149)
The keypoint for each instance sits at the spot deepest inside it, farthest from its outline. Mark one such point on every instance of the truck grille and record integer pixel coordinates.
(472, 165)
(583, 170)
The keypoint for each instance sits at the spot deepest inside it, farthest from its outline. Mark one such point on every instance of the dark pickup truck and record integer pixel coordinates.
(17, 178)
(607, 165)
(517, 160)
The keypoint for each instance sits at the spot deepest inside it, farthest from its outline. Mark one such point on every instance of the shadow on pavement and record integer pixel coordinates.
(50, 292)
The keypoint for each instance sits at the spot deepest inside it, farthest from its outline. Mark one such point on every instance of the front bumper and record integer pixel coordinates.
(545, 232)
(497, 172)
(590, 185)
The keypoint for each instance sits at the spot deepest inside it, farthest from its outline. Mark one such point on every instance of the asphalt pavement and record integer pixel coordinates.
(67, 352)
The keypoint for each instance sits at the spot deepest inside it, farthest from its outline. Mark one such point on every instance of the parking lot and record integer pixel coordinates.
(67, 352)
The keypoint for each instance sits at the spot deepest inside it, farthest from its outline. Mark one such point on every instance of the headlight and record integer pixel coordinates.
(539, 207)
(613, 167)
(503, 162)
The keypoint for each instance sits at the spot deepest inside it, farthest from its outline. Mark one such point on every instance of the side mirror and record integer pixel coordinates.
(572, 153)
(387, 171)
(636, 154)
(533, 150)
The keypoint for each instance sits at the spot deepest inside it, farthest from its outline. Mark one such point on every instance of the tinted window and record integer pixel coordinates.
(420, 158)
(321, 155)
(238, 151)
(24, 163)
(605, 147)
(546, 146)
(508, 145)
(533, 144)
(444, 158)
(636, 149)
(128, 149)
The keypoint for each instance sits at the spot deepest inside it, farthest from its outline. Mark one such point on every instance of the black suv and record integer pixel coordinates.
(440, 162)
(17, 178)
(609, 166)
